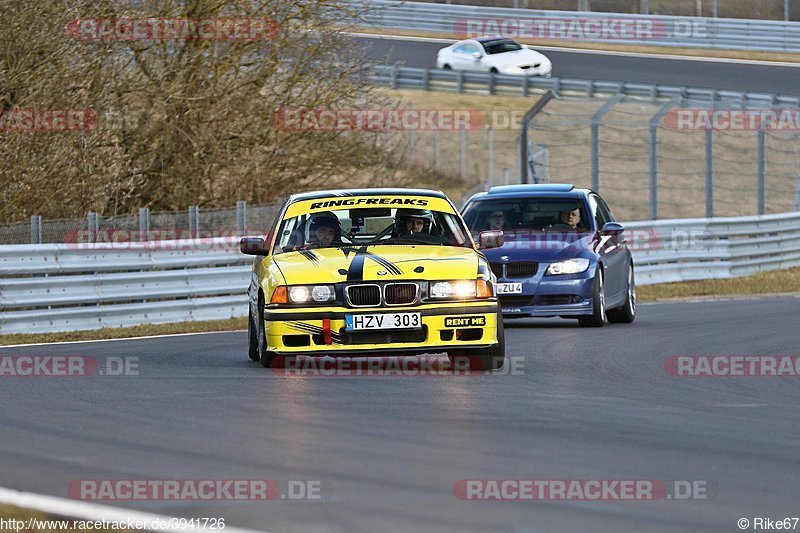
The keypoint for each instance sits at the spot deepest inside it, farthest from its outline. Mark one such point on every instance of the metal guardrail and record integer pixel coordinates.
(61, 287)
(693, 32)
(434, 79)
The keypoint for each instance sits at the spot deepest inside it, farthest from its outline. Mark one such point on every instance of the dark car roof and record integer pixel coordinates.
(542, 190)
(366, 192)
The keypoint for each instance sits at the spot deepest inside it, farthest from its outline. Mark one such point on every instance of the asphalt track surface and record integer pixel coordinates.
(588, 404)
(587, 65)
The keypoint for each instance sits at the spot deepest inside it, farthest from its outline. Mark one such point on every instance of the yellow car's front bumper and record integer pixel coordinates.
(445, 326)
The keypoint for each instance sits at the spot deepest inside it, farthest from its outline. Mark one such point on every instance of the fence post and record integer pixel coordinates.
(437, 148)
(411, 144)
(93, 225)
(715, 9)
(596, 118)
(506, 176)
(144, 223)
(583, 5)
(644, 7)
(762, 168)
(194, 220)
(241, 217)
(709, 172)
(655, 122)
(786, 10)
(490, 162)
(463, 157)
(36, 229)
(523, 133)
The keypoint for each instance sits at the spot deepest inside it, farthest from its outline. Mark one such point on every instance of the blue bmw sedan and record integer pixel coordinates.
(563, 253)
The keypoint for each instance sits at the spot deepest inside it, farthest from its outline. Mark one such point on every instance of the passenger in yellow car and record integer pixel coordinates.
(411, 221)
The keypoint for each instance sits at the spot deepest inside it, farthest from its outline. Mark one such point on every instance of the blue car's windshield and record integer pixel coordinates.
(527, 214)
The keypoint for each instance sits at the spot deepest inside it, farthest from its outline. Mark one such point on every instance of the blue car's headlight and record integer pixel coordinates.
(570, 266)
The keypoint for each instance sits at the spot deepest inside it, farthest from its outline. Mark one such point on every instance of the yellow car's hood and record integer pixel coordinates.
(377, 263)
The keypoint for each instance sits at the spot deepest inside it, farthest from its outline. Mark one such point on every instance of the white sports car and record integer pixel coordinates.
(494, 54)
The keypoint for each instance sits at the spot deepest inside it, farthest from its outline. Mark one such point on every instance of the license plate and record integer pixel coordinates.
(383, 321)
(509, 288)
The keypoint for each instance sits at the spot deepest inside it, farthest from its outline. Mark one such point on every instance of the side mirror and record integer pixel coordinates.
(491, 239)
(251, 246)
(612, 228)
(476, 55)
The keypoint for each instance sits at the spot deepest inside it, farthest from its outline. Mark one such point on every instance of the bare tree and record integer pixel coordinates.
(181, 120)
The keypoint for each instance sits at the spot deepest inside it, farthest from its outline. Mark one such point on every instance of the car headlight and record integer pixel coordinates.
(465, 289)
(302, 294)
(570, 266)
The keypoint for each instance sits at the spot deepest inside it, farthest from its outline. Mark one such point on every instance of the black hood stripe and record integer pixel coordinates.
(310, 255)
(385, 263)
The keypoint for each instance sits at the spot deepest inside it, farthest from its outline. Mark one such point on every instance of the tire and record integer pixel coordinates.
(626, 313)
(494, 71)
(252, 337)
(492, 358)
(447, 67)
(268, 358)
(598, 316)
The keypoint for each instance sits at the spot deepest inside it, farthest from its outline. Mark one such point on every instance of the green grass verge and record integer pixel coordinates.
(776, 282)
(135, 331)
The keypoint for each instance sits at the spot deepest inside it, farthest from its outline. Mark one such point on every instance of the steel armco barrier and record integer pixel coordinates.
(60, 287)
(693, 32)
(433, 79)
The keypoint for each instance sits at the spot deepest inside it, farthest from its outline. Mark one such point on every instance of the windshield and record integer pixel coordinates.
(370, 226)
(527, 214)
(500, 46)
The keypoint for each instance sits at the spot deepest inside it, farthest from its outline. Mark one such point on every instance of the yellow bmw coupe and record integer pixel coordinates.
(373, 272)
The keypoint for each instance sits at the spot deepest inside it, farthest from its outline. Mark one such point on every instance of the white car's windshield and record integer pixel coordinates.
(369, 226)
(501, 46)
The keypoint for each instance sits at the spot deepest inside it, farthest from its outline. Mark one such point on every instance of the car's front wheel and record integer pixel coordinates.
(491, 358)
(252, 336)
(598, 316)
(627, 312)
(269, 359)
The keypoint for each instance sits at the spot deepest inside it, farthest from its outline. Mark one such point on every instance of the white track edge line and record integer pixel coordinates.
(90, 511)
(704, 59)
(122, 338)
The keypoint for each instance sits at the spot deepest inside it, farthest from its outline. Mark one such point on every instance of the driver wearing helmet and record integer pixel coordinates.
(325, 230)
(411, 221)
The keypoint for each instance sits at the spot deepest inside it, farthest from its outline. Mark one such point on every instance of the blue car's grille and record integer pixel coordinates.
(521, 269)
(497, 268)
